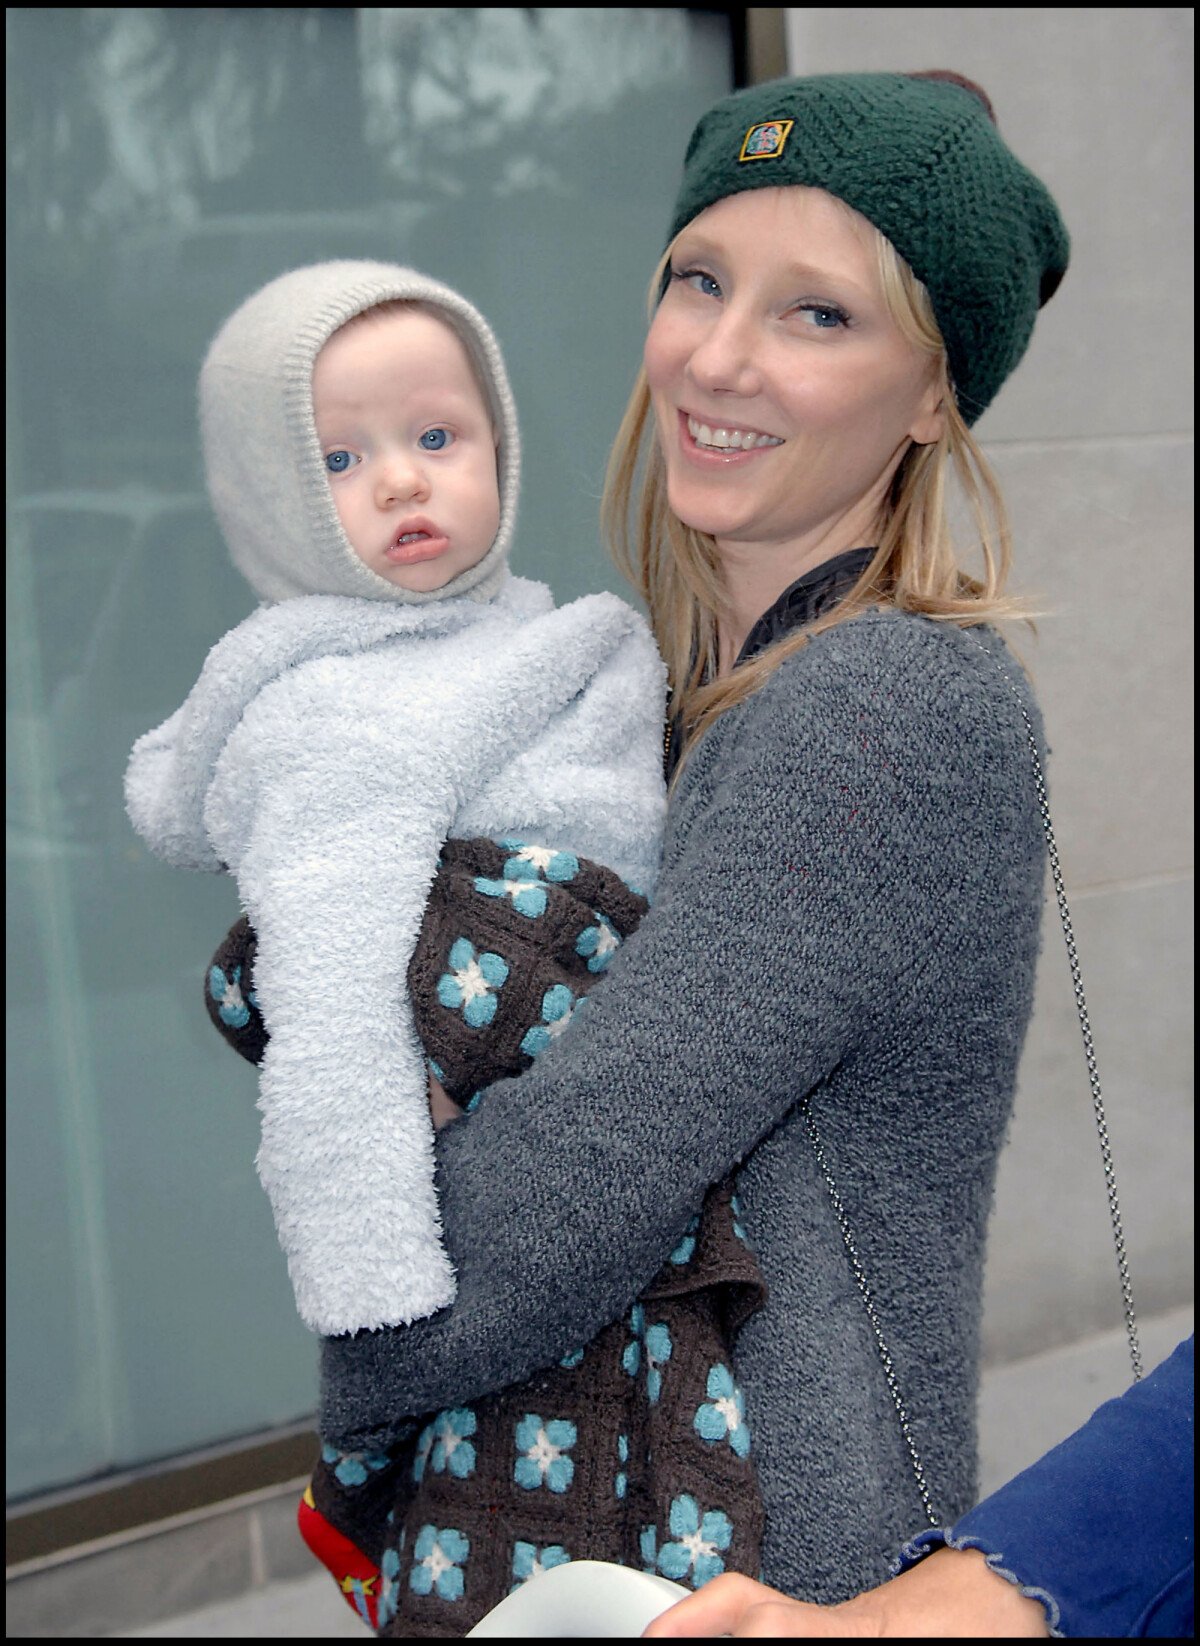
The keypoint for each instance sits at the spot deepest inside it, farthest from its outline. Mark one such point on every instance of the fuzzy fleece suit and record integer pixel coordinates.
(333, 741)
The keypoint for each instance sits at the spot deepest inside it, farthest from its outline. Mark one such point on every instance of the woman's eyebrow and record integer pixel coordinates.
(802, 272)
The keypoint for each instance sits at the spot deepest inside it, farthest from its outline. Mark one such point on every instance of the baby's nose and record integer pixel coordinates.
(401, 478)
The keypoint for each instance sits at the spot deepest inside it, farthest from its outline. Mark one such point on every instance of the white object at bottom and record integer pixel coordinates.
(583, 1599)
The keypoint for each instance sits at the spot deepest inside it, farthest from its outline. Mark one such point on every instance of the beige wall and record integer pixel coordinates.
(1092, 439)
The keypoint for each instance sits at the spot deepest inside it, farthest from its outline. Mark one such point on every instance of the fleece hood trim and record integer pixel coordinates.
(262, 458)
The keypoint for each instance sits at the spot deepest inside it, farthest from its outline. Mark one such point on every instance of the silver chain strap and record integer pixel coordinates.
(1110, 1176)
(869, 1304)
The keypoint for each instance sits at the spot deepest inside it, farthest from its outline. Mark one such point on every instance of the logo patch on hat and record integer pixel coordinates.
(766, 140)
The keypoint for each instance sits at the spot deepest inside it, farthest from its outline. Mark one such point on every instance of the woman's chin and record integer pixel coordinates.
(701, 515)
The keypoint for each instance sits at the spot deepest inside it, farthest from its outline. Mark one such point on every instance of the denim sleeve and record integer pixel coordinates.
(1100, 1530)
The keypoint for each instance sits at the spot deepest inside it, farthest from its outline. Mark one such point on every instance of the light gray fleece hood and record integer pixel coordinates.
(263, 462)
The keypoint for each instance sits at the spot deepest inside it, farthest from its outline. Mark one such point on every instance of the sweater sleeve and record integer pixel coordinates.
(1100, 1530)
(818, 840)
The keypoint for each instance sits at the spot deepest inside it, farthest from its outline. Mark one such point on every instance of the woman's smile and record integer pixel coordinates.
(703, 438)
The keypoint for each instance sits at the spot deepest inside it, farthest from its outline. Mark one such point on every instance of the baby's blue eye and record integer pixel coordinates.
(434, 440)
(339, 461)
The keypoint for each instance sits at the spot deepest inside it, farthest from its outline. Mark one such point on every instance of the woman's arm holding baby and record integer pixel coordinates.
(780, 940)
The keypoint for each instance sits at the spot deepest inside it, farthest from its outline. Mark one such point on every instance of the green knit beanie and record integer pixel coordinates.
(920, 157)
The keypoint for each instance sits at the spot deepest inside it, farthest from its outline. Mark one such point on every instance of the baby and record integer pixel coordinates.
(442, 799)
(397, 687)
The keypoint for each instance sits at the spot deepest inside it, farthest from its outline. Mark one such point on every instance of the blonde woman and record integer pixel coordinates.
(829, 996)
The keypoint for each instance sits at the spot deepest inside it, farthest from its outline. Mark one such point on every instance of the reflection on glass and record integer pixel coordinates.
(162, 164)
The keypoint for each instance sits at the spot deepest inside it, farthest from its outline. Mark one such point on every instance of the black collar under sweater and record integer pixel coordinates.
(801, 602)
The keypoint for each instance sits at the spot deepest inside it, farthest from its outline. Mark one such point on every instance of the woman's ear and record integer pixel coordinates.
(929, 425)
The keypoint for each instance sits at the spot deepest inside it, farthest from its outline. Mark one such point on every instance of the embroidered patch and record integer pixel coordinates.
(766, 140)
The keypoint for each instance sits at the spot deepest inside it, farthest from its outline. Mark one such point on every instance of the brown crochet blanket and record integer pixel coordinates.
(635, 1449)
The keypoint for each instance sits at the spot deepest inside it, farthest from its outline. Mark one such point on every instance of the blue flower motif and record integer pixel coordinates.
(571, 1359)
(735, 1206)
(687, 1245)
(631, 1359)
(622, 1481)
(227, 993)
(648, 1544)
(538, 863)
(472, 1102)
(599, 942)
(451, 1449)
(389, 1589)
(559, 1006)
(470, 983)
(439, 1555)
(354, 1468)
(694, 1553)
(542, 1447)
(724, 1413)
(528, 896)
(658, 1352)
(529, 1560)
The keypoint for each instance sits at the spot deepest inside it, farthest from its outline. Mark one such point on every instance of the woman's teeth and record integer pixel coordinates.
(729, 439)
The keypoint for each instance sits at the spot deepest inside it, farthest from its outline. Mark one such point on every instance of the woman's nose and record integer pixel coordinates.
(725, 360)
(401, 478)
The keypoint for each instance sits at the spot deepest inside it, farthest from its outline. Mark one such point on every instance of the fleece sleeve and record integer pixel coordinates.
(811, 854)
(346, 1150)
(1100, 1530)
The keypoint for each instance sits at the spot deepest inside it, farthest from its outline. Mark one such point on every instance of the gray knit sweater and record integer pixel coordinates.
(847, 920)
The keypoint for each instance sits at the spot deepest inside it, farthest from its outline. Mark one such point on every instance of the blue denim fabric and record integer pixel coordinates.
(1100, 1530)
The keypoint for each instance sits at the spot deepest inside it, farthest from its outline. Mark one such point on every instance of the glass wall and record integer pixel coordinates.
(162, 164)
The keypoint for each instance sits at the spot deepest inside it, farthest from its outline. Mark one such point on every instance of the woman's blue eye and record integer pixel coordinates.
(339, 461)
(434, 440)
(825, 316)
(698, 280)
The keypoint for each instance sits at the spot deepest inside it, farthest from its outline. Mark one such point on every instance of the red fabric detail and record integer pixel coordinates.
(357, 1577)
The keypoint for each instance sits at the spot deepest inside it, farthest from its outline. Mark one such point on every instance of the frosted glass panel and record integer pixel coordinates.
(162, 165)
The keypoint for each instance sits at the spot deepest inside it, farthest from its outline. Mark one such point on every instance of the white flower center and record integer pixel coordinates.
(437, 1562)
(543, 1452)
(560, 1024)
(539, 856)
(728, 1410)
(471, 981)
(697, 1547)
(607, 941)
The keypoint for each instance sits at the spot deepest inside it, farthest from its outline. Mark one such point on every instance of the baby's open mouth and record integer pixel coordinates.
(417, 539)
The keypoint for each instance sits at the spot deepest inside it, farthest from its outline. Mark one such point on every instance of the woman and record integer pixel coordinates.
(830, 994)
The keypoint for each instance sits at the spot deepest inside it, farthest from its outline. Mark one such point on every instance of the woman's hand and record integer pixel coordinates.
(951, 1593)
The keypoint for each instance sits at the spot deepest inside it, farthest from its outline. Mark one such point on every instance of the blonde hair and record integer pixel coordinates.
(915, 568)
